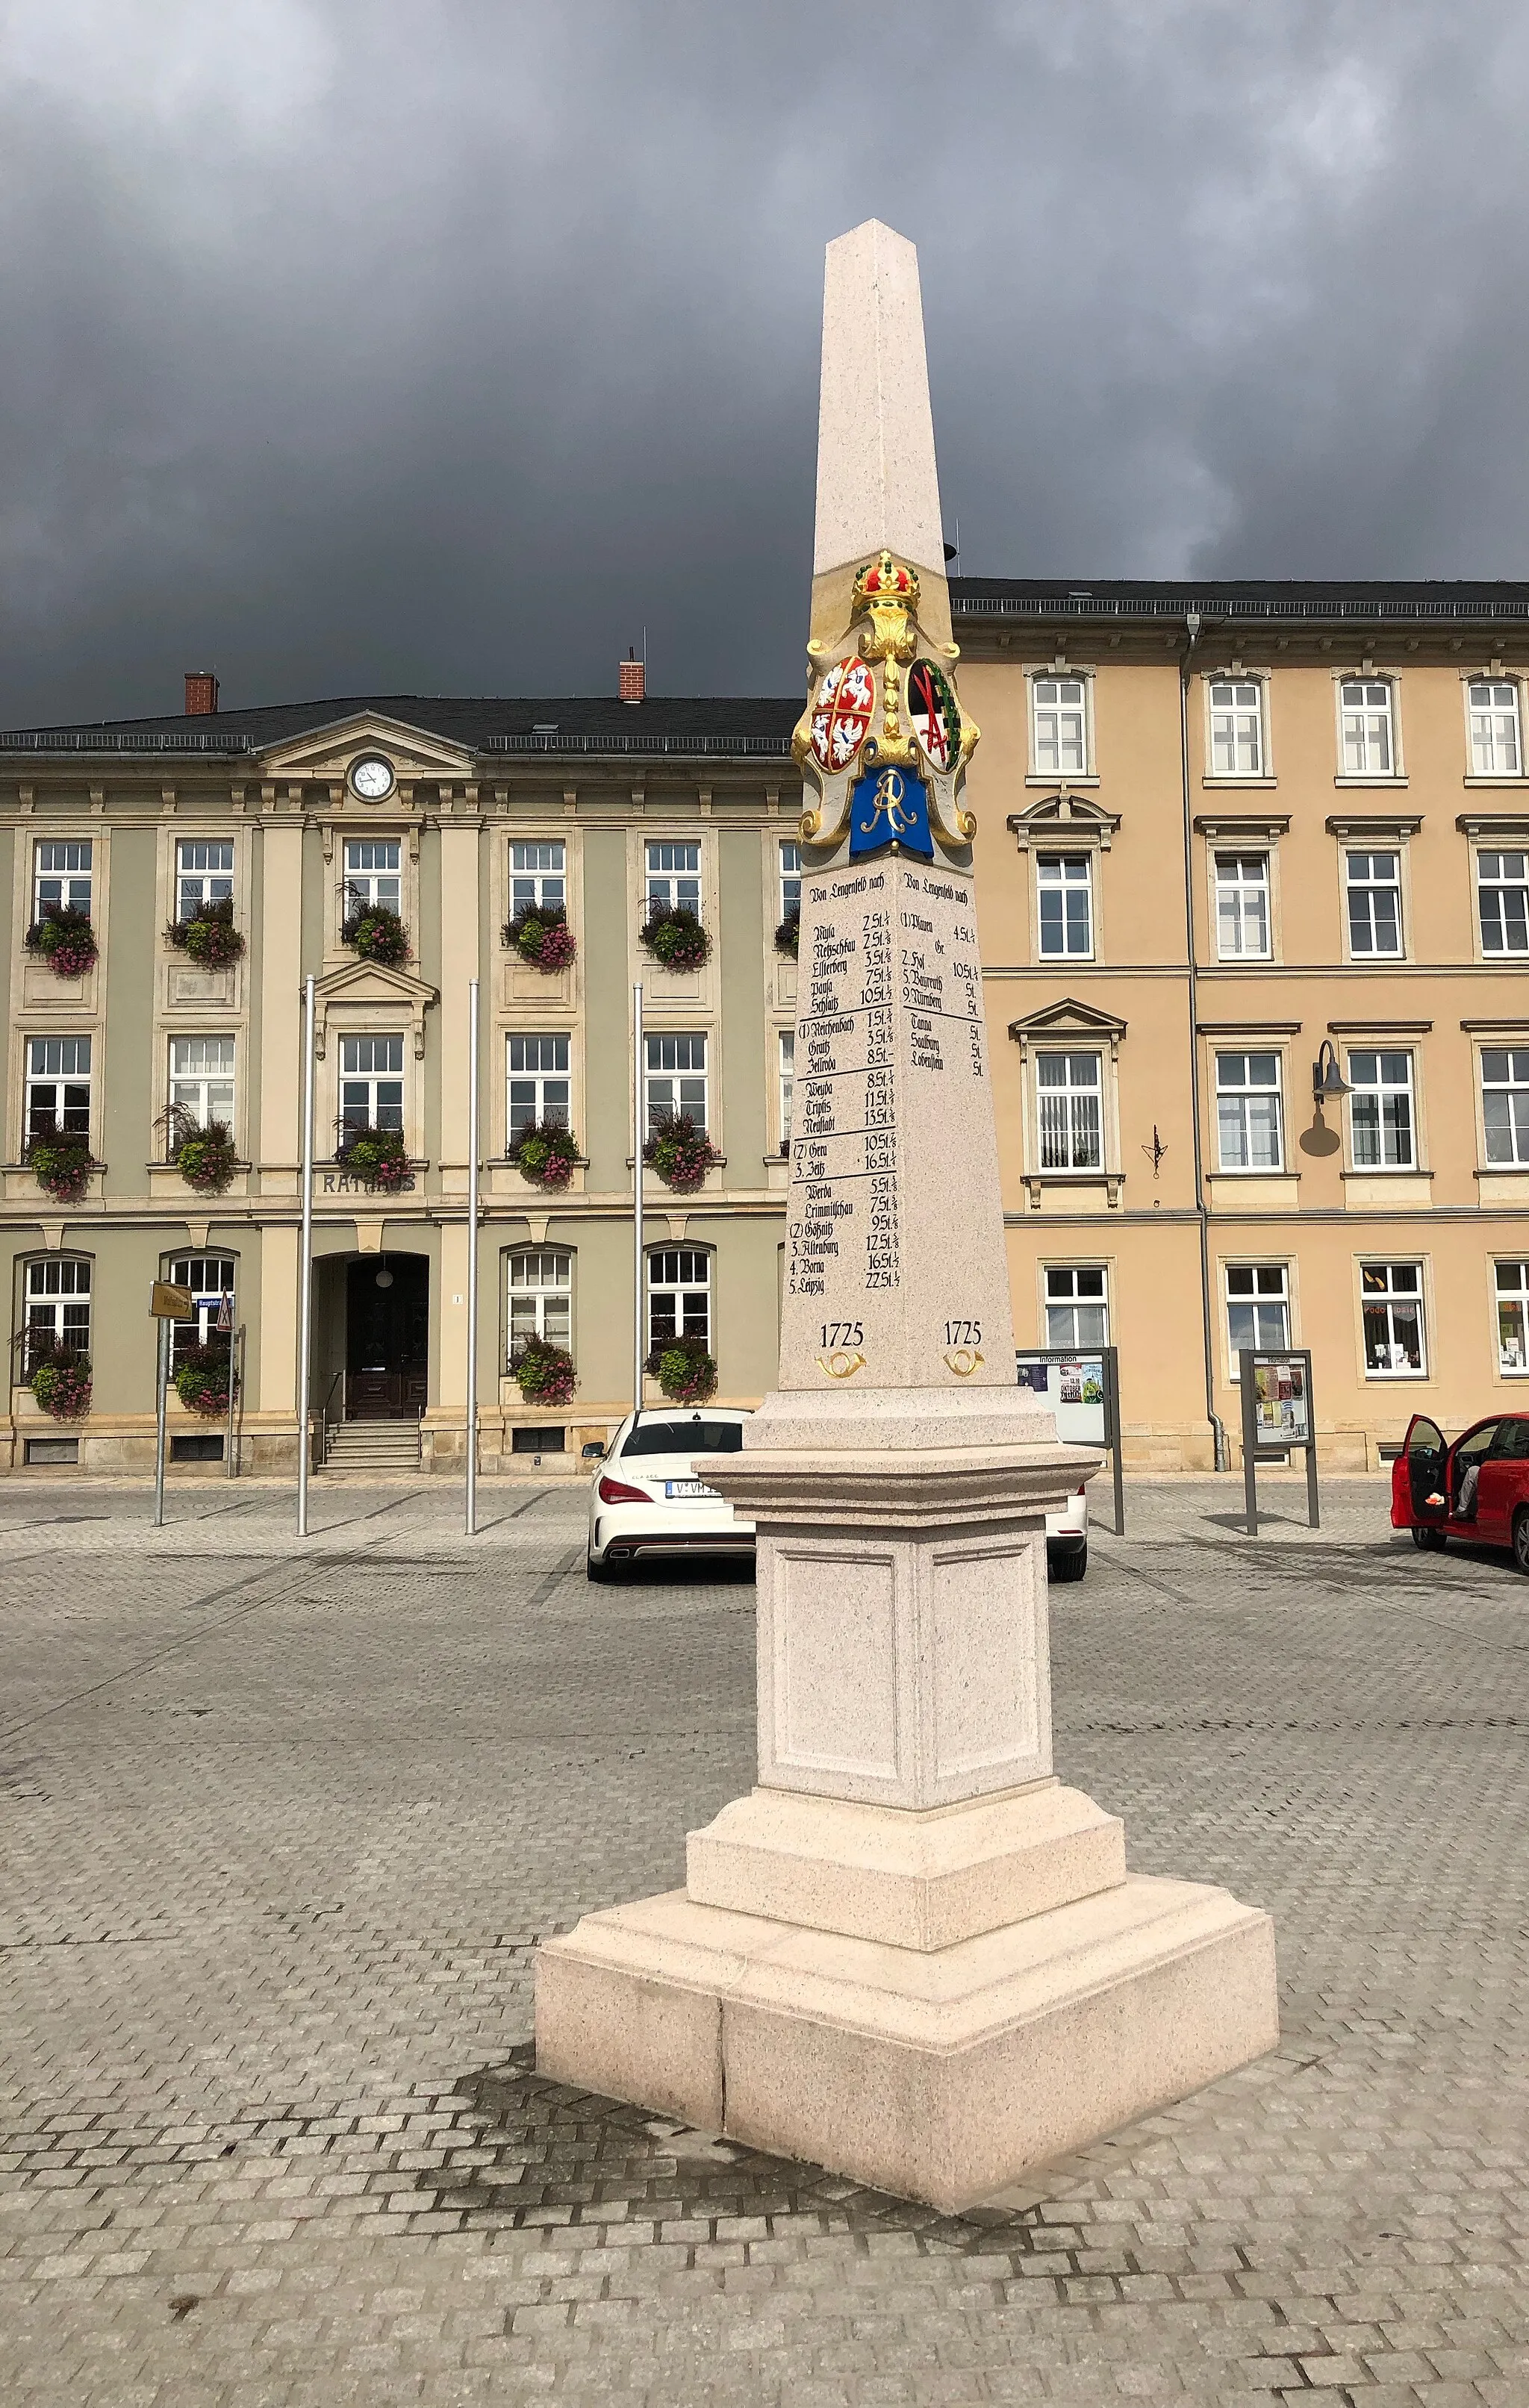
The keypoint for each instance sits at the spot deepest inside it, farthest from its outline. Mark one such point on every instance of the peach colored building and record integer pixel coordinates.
(1229, 833)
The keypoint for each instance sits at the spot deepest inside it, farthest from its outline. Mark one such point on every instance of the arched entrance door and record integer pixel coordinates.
(387, 1338)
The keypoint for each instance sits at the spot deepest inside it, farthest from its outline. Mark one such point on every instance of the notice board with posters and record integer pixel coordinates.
(1278, 1413)
(1080, 1385)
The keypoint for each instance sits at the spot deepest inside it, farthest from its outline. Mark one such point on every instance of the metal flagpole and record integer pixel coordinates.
(639, 1265)
(226, 1321)
(305, 1265)
(162, 1382)
(472, 1263)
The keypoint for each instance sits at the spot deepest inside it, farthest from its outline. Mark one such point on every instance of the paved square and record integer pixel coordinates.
(281, 1825)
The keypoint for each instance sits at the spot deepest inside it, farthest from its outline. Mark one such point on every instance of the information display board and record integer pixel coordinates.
(1081, 1387)
(1278, 1414)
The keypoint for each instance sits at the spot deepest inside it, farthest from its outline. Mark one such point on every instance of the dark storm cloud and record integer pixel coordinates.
(444, 344)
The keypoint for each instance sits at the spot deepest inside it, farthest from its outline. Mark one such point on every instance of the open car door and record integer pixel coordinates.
(1417, 1477)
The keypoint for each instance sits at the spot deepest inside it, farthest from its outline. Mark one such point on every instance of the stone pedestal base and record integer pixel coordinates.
(940, 2075)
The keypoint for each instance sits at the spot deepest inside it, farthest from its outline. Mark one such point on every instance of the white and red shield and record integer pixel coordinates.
(841, 713)
(933, 707)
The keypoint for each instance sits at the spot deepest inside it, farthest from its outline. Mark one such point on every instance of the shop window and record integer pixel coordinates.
(1258, 1309)
(1076, 1305)
(1391, 1303)
(1511, 1283)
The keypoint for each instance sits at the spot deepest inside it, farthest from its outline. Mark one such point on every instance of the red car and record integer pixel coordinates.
(1477, 1488)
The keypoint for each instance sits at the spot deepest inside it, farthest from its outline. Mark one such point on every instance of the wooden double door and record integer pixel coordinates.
(387, 1338)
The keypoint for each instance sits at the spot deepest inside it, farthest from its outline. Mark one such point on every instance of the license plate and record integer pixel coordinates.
(687, 1488)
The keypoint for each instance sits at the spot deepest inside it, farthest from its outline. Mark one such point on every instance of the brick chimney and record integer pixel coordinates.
(632, 679)
(201, 693)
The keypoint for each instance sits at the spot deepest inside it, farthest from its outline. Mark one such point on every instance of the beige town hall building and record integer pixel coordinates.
(1234, 841)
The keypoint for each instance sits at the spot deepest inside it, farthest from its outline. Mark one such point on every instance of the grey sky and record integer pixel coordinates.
(443, 344)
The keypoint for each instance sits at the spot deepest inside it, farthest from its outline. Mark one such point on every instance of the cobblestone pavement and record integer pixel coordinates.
(281, 1825)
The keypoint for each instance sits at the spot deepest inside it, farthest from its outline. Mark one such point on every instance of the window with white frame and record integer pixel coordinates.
(61, 876)
(1258, 1307)
(538, 876)
(1249, 1115)
(680, 1295)
(538, 1089)
(372, 1082)
(211, 1279)
(1374, 886)
(1391, 1307)
(540, 1296)
(676, 1079)
(1242, 907)
(1380, 1115)
(58, 1086)
(1066, 889)
(786, 1081)
(1366, 710)
(1510, 1283)
(1058, 709)
(1068, 1098)
(202, 1079)
(673, 877)
(1237, 727)
(1076, 1305)
(373, 874)
(1505, 1103)
(1493, 708)
(1502, 901)
(204, 874)
(790, 882)
(58, 1309)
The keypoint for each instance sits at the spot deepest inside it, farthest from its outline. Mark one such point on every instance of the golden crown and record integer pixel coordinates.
(885, 580)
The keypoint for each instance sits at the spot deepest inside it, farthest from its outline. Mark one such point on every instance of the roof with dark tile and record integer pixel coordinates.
(714, 723)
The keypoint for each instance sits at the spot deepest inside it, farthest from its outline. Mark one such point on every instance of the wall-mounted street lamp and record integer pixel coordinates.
(1327, 1080)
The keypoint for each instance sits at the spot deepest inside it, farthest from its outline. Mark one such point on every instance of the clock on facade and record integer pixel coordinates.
(372, 778)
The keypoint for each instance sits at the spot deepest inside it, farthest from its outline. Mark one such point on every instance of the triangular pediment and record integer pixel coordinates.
(329, 752)
(1074, 817)
(373, 982)
(1068, 1018)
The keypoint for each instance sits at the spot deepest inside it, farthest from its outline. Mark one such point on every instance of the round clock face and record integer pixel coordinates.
(372, 779)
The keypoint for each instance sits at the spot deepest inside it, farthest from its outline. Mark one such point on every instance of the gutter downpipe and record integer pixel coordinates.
(1218, 1431)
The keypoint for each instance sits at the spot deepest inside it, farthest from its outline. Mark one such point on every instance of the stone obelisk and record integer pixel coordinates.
(909, 1954)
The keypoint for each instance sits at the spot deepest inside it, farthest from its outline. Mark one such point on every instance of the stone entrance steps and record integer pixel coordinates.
(372, 1446)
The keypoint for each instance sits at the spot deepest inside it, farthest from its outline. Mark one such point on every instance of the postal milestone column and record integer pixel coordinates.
(910, 1953)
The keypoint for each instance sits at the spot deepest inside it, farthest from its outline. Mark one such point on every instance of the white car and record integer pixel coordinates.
(645, 1499)
(1067, 1538)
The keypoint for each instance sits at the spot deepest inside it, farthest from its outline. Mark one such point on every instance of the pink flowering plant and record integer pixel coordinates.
(65, 937)
(60, 1383)
(685, 1371)
(541, 934)
(208, 937)
(201, 1381)
(680, 1153)
(545, 1152)
(788, 936)
(377, 935)
(375, 1154)
(672, 935)
(60, 1162)
(544, 1372)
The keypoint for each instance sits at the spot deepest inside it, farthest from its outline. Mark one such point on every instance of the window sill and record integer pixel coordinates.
(1520, 783)
(1388, 1170)
(1223, 782)
(1038, 1182)
(1503, 1171)
(1389, 784)
(1061, 782)
(1394, 1378)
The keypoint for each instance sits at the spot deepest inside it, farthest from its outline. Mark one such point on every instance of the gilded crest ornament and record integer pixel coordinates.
(883, 740)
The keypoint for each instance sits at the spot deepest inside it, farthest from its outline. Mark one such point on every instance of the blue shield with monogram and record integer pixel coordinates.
(889, 806)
